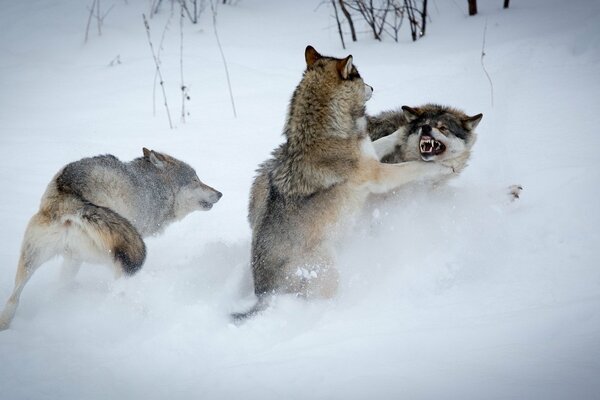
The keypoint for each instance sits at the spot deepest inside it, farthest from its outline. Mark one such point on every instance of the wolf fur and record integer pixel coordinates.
(401, 135)
(98, 209)
(304, 195)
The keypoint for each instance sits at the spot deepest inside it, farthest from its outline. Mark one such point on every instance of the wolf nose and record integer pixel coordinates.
(426, 129)
(219, 195)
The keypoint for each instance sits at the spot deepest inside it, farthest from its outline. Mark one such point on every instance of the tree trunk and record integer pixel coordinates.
(472, 7)
(506, 3)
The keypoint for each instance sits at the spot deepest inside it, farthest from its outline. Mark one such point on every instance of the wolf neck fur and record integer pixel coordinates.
(317, 115)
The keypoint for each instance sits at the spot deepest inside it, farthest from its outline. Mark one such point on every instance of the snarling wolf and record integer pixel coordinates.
(430, 133)
(98, 209)
(315, 182)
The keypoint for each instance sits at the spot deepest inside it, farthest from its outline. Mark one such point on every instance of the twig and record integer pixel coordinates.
(162, 83)
(483, 65)
(214, 13)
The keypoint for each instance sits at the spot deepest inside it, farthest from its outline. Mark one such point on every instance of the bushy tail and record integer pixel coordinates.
(115, 234)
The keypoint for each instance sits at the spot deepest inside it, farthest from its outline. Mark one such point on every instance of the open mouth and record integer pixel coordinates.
(431, 147)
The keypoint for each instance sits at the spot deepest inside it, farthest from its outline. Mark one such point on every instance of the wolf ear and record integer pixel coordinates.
(154, 157)
(410, 114)
(311, 56)
(471, 123)
(344, 67)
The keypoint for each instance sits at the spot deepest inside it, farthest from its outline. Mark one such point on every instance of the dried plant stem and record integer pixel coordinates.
(156, 62)
(214, 14)
(184, 94)
(483, 65)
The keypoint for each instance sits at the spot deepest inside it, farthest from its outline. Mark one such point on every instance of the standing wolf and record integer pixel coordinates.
(316, 181)
(430, 133)
(98, 209)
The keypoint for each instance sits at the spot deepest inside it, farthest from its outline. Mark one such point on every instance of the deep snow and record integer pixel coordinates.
(456, 293)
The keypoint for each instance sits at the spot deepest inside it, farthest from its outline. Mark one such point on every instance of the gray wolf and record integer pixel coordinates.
(308, 191)
(430, 132)
(98, 209)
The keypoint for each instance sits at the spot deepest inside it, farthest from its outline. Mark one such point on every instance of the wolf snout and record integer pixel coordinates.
(216, 196)
(426, 129)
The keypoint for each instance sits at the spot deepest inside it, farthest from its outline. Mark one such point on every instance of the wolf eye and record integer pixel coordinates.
(443, 129)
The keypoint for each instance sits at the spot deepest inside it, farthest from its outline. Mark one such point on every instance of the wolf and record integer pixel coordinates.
(98, 209)
(431, 132)
(305, 195)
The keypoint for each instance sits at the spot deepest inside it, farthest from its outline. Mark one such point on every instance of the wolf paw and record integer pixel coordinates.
(514, 192)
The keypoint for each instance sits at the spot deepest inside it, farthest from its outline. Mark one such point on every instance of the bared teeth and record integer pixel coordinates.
(429, 145)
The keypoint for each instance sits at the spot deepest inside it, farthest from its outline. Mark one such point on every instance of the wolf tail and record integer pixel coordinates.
(114, 234)
(261, 305)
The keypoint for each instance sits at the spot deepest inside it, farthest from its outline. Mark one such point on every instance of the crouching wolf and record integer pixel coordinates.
(315, 181)
(98, 209)
(430, 133)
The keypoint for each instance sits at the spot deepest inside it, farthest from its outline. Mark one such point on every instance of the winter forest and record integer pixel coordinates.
(462, 292)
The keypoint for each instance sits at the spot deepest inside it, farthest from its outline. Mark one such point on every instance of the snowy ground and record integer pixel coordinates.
(452, 294)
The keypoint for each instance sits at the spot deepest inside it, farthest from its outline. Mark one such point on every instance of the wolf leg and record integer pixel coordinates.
(386, 177)
(32, 256)
(386, 145)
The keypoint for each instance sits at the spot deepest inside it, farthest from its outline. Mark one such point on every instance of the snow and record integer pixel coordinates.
(457, 293)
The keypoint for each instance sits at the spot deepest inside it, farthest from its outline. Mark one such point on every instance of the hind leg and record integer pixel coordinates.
(32, 256)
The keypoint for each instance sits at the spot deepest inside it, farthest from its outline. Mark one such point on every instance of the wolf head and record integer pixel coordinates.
(190, 194)
(331, 97)
(439, 133)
